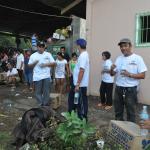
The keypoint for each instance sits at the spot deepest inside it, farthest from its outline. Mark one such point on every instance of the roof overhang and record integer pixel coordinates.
(38, 16)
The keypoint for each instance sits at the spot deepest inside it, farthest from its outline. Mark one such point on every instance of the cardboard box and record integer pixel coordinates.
(126, 134)
(3, 76)
(55, 100)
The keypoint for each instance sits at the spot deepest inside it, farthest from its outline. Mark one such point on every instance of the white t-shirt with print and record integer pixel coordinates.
(60, 68)
(106, 77)
(134, 64)
(12, 72)
(39, 72)
(20, 59)
(82, 62)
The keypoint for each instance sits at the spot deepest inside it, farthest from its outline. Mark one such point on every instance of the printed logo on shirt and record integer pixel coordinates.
(133, 63)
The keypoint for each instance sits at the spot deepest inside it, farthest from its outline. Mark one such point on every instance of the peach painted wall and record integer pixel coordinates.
(107, 22)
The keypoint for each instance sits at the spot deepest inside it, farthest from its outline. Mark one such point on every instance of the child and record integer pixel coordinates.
(72, 64)
(11, 75)
(106, 86)
(61, 65)
(28, 72)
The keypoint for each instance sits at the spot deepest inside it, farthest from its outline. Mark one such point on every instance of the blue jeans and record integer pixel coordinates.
(28, 77)
(42, 91)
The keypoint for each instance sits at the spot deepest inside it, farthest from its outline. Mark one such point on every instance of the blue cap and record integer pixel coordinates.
(81, 42)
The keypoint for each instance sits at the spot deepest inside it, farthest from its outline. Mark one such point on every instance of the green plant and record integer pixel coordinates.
(74, 131)
(4, 140)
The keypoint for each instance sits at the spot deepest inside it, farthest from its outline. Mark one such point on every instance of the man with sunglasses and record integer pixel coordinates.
(41, 62)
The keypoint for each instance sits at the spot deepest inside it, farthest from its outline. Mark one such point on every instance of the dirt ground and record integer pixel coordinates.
(14, 103)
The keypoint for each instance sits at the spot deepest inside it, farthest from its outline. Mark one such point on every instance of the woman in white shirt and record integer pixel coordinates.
(61, 66)
(107, 80)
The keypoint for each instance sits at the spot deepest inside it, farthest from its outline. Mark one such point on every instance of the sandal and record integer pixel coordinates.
(108, 107)
(101, 105)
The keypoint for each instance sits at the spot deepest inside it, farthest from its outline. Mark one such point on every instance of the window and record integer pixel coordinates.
(143, 29)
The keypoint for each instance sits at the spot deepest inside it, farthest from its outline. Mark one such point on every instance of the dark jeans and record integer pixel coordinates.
(20, 73)
(125, 96)
(82, 106)
(42, 91)
(71, 82)
(106, 93)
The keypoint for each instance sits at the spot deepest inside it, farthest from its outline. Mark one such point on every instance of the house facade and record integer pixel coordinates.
(108, 21)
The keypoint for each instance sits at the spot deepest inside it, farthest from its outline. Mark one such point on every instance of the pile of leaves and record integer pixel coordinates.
(72, 134)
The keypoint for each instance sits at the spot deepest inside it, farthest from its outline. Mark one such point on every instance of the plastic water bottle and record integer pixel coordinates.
(123, 69)
(76, 98)
(144, 116)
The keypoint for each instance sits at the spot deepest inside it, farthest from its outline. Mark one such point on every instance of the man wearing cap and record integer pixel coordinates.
(80, 81)
(41, 62)
(129, 68)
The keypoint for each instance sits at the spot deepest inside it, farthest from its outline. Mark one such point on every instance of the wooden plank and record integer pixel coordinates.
(73, 4)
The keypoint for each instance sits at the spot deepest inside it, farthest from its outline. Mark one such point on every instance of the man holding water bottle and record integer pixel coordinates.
(129, 68)
(80, 81)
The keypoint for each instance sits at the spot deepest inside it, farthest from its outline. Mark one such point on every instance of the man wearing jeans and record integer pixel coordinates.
(129, 68)
(41, 62)
(80, 81)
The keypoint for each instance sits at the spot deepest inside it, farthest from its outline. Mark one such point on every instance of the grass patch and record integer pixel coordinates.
(5, 138)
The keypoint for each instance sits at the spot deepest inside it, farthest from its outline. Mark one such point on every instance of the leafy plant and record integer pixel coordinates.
(74, 131)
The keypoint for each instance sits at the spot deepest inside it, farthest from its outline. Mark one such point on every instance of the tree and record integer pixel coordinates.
(7, 41)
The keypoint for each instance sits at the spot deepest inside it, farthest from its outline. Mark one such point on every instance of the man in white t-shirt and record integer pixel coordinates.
(80, 81)
(20, 64)
(129, 68)
(41, 62)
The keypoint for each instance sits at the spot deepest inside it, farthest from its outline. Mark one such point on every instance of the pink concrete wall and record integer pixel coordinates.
(107, 22)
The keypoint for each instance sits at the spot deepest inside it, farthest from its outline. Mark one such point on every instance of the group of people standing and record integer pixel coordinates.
(77, 71)
(128, 69)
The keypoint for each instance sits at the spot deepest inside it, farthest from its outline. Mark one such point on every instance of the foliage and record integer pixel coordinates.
(4, 136)
(9, 41)
(5, 139)
(25, 44)
(113, 147)
(74, 131)
(74, 134)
